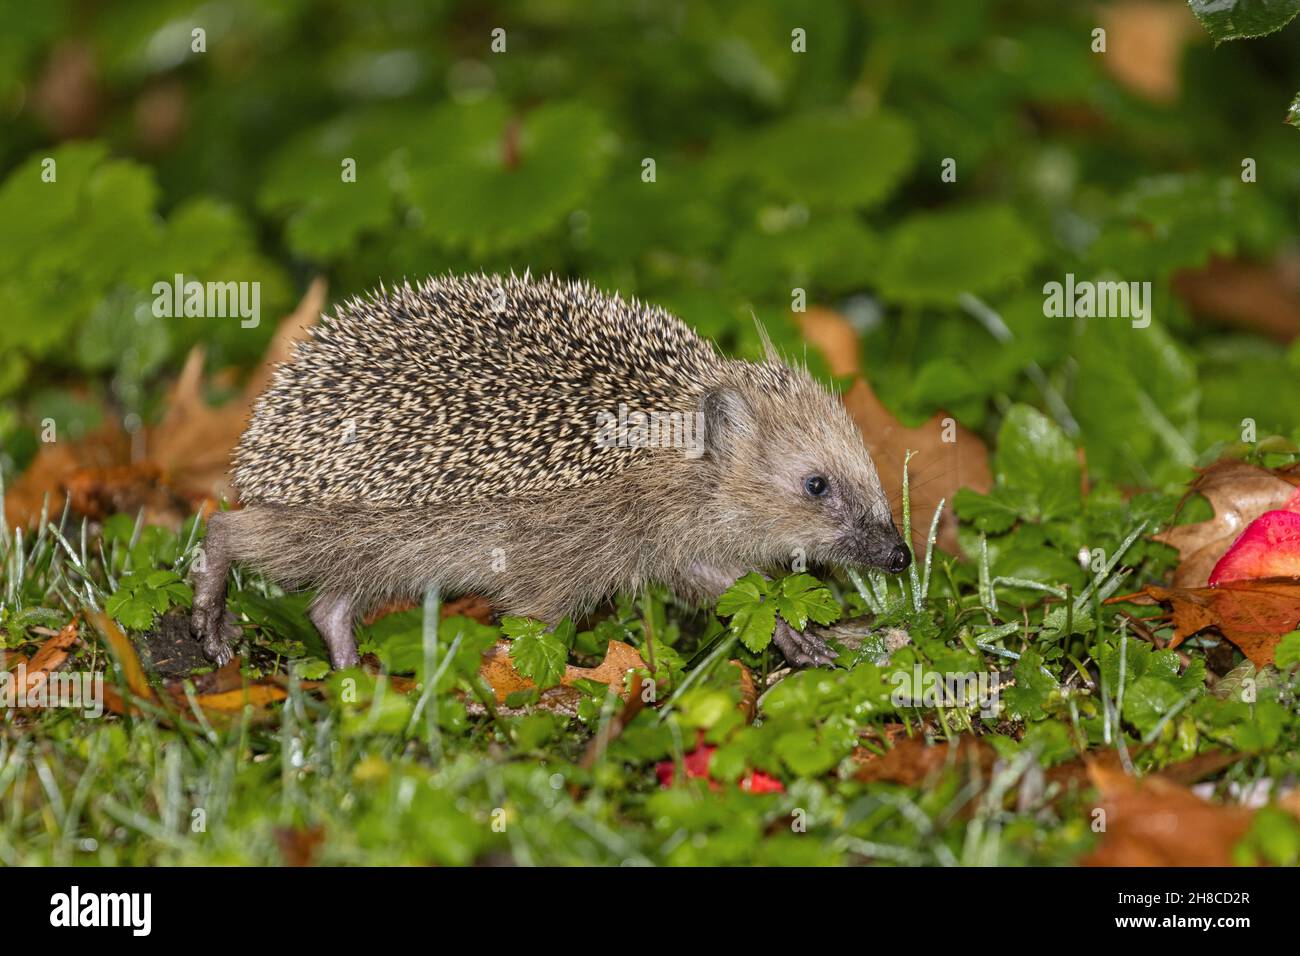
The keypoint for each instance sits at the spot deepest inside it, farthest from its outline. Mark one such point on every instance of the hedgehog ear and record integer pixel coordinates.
(726, 414)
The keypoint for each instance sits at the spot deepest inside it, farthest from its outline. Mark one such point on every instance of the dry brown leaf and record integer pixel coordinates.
(298, 845)
(1253, 614)
(185, 458)
(259, 695)
(471, 606)
(68, 95)
(748, 692)
(193, 442)
(499, 671)
(911, 761)
(227, 677)
(125, 489)
(48, 658)
(123, 651)
(1239, 493)
(1144, 46)
(937, 469)
(53, 652)
(221, 694)
(1078, 773)
(1154, 821)
(1261, 297)
(54, 464)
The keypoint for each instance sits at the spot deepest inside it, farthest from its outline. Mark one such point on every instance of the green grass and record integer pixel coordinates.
(353, 772)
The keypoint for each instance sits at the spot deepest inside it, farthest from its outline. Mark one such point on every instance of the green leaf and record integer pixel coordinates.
(161, 578)
(1287, 653)
(312, 670)
(327, 215)
(1148, 699)
(486, 179)
(154, 598)
(801, 597)
(1176, 221)
(833, 253)
(1028, 696)
(534, 730)
(536, 652)
(833, 159)
(746, 592)
(804, 753)
(933, 257)
(129, 610)
(1135, 397)
(1036, 464)
(1243, 19)
(284, 617)
(753, 618)
(993, 513)
(755, 624)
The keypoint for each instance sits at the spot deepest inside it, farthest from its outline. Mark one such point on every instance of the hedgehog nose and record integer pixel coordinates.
(899, 559)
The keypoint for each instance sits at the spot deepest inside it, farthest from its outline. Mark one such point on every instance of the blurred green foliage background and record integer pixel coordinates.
(774, 170)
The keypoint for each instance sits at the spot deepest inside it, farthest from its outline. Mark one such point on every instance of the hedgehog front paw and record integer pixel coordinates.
(800, 648)
(214, 628)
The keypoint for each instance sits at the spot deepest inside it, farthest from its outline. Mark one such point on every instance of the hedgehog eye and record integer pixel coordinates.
(816, 485)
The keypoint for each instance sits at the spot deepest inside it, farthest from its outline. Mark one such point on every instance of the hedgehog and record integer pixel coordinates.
(541, 444)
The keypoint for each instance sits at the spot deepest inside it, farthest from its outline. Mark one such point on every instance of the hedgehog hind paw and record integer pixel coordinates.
(216, 630)
(800, 648)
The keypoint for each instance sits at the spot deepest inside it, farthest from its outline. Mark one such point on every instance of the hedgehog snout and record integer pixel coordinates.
(878, 545)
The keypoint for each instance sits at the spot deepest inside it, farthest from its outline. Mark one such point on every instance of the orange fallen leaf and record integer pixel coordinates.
(54, 651)
(224, 678)
(1079, 772)
(123, 651)
(1146, 46)
(937, 469)
(221, 694)
(1154, 821)
(499, 671)
(55, 463)
(258, 695)
(1239, 493)
(34, 673)
(1253, 615)
(912, 762)
(299, 845)
(748, 692)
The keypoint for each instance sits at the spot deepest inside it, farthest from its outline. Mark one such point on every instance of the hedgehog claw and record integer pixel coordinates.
(213, 628)
(800, 648)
